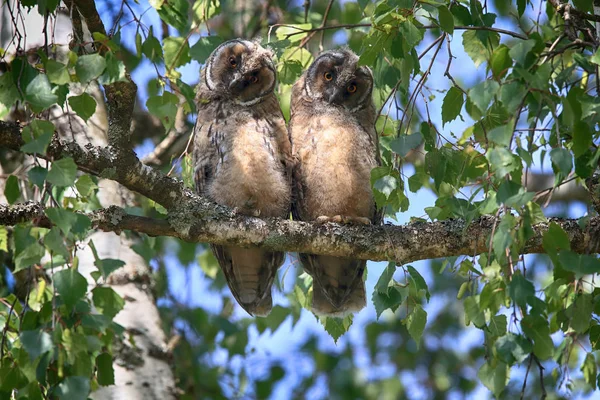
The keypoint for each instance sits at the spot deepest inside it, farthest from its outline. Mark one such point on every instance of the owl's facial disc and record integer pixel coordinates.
(242, 71)
(335, 78)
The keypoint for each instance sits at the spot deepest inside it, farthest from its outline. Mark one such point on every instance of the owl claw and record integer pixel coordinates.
(343, 219)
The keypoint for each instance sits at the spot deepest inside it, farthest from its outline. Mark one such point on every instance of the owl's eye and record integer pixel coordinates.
(352, 88)
(254, 79)
(232, 61)
(328, 76)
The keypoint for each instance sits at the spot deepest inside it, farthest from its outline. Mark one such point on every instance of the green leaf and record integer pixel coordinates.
(590, 370)
(582, 138)
(410, 33)
(204, 47)
(32, 254)
(282, 32)
(536, 328)
(9, 93)
(57, 72)
(502, 161)
(420, 283)
(85, 185)
(446, 19)
(555, 239)
(390, 298)
(336, 327)
(108, 265)
(62, 172)
(74, 388)
(11, 189)
(106, 373)
(584, 5)
(70, 284)
(582, 313)
(62, 218)
(581, 264)
(37, 136)
(36, 343)
(89, 67)
(479, 45)
(173, 12)
(500, 61)
(482, 93)
(177, 52)
(403, 144)
(595, 59)
(513, 195)
(513, 348)
(39, 93)
(562, 161)
(84, 105)
(503, 236)
(497, 326)
(152, 48)
(519, 289)
(501, 135)
(452, 104)
(521, 49)
(415, 323)
(494, 378)
(37, 176)
(164, 107)
(473, 312)
(3, 238)
(114, 72)
(107, 301)
(55, 243)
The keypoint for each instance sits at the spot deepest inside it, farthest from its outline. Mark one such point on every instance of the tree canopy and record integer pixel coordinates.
(485, 281)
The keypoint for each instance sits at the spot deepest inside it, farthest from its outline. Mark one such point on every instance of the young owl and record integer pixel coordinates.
(332, 129)
(241, 159)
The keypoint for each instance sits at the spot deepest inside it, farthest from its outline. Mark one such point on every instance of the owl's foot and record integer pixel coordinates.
(244, 211)
(343, 219)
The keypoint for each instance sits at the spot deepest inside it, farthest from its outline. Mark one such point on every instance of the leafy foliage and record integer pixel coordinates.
(531, 102)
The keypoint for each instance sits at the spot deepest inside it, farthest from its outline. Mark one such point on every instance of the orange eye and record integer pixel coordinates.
(232, 62)
(328, 76)
(254, 79)
(352, 88)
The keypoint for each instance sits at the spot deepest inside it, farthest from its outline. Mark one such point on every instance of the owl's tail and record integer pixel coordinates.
(338, 286)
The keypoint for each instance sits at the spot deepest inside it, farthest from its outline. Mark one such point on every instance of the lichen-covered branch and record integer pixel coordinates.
(402, 244)
(122, 167)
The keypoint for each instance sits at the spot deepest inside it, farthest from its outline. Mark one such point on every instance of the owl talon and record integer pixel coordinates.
(343, 219)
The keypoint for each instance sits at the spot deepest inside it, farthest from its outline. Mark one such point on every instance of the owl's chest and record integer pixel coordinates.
(337, 145)
(250, 176)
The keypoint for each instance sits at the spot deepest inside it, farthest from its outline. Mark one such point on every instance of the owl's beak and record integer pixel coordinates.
(238, 83)
(336, 96)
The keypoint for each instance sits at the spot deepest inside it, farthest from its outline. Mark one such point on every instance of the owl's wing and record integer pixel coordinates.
(207, 154)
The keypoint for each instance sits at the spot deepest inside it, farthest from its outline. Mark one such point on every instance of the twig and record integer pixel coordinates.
(5, 330)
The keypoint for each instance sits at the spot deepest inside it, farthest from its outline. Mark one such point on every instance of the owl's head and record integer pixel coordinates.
(241, 70)
(336, 78)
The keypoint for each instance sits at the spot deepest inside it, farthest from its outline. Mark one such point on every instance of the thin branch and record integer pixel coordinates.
(481, 28)
(120, 96)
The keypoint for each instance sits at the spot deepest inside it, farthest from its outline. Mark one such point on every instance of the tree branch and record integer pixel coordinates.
(402, 244)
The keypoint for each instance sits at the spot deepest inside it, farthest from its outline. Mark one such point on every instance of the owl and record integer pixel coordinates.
(332, 130)
(242, 159)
